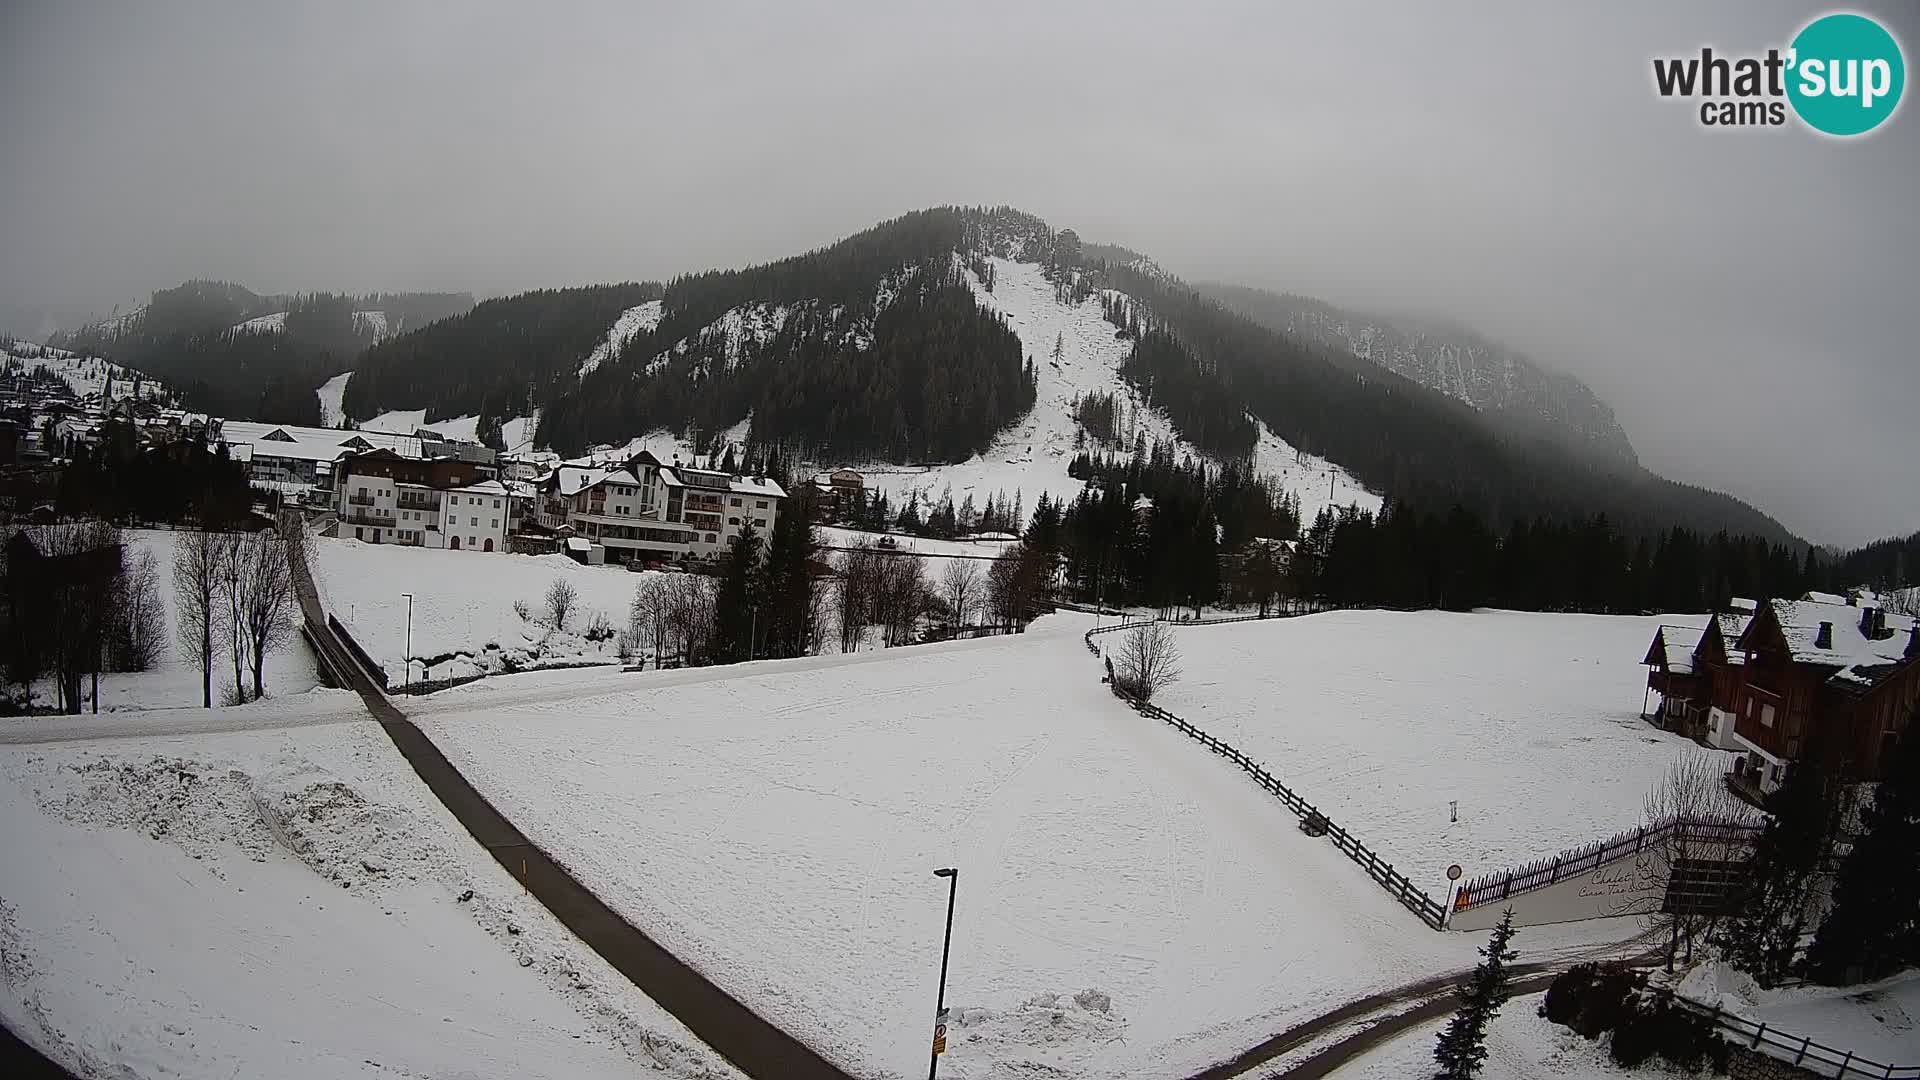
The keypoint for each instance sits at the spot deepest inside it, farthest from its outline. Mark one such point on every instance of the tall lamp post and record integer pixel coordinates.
(407, 679)
(940, 1009)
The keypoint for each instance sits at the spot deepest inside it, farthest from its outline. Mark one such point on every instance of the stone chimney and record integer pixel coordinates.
(1824, 639)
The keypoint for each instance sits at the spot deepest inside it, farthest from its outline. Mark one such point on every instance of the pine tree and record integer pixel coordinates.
(734, 616)
(1874, 926)
(1463, 1045)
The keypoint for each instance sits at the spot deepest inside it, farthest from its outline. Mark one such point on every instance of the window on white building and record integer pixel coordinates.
(474, 522)
(733, 521)
(736, 502)
(760, 505)
(496, 524)
(709, 538)
(760, 523)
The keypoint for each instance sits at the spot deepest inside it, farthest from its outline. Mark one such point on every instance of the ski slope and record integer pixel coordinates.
(1126, 905)
(632, 322)
(1530, 722)
(407, 421)
(290, 904)
(1032, 456)
(332, 392)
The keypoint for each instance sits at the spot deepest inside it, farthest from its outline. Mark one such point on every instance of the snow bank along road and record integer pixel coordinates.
(752, 1044)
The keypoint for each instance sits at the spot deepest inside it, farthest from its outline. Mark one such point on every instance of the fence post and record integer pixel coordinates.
(1640, 839)
(1804, 1043)
(1762, 1030)
(1846, 1064)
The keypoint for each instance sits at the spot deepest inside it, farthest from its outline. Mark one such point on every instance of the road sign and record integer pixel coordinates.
(1453, 872)
(940, 1033)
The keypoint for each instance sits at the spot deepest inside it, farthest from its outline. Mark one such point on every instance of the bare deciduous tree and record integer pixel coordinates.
(1147, 661)
(959, 584)
(234, 574)
(900, 598)
(1694, 796)
(859, 570)
(562, 598)
(267, 607)
(196, 593)
(690, 602)
(140, 619)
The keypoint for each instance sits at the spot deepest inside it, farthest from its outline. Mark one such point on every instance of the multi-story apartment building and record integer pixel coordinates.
(649, 511)
(384, 498)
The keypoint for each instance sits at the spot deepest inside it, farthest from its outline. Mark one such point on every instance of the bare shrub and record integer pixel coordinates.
(562, 599)
(1147, 661)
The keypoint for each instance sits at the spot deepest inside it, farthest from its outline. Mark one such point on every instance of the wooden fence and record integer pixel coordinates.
(1427, 909)
(1498, 886)
(1796, 1050)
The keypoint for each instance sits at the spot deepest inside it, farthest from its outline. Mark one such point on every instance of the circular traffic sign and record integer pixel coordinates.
(1453, 872)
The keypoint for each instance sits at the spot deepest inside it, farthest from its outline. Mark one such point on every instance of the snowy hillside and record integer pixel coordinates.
(264, 324)
(1033, 455)
(331, 391)
(290, 904)
(407, 421)
(85, 375)
(638, 319)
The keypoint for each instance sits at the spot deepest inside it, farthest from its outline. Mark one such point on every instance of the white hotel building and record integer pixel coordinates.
(649, 511)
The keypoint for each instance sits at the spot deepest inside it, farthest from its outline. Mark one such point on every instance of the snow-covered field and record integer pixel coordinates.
(1127, 904)
(463, 606)
(1521, 1045)
(1531, 722)
(289, 904)
(1033, 455)
(175, 681)
(934, 555)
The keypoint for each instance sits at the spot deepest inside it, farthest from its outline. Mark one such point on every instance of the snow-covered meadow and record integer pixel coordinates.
(1521, 1045)
(1127, 904)
(291, 904)
(463, 606)
(1530, 722)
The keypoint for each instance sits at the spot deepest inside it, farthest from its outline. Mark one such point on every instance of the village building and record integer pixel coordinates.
(1775, 681)
(386, 498)
(299, 462)
(645, 511)
(1835, 679)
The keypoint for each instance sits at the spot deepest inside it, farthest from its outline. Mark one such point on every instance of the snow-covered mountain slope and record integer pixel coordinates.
(407, 421)
(371, 322)
(638, 319)
(739, 330)
(1033, 455)
(265, 324)
(85, 375)
(331, 391)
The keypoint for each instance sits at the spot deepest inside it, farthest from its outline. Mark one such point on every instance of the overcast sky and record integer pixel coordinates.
(1745, 299)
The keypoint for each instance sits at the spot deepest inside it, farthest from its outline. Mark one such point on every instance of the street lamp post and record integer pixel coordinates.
(407, 679)
(940, 1008)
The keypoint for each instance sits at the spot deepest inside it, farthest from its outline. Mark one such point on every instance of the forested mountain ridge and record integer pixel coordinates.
(233, 352)
(1514, 391)
(891, 345)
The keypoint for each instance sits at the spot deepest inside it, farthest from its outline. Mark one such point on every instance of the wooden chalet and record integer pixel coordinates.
(1836, 679)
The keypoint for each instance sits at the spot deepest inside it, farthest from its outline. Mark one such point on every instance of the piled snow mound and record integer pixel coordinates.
(636, 320)
(168, 887)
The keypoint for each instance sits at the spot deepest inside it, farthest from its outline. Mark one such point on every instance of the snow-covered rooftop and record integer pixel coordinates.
(1846, 645)
(1675, 645)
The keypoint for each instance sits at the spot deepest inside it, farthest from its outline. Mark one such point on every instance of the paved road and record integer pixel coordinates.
(736, 1032)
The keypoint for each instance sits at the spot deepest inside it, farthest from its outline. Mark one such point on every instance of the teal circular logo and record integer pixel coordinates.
(1846, 74)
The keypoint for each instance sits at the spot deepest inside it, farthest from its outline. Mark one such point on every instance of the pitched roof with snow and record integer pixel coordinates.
(1673, 648)
(1862, 661)
(1731, 625)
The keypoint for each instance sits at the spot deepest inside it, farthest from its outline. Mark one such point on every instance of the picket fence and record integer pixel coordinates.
(1501, 885)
